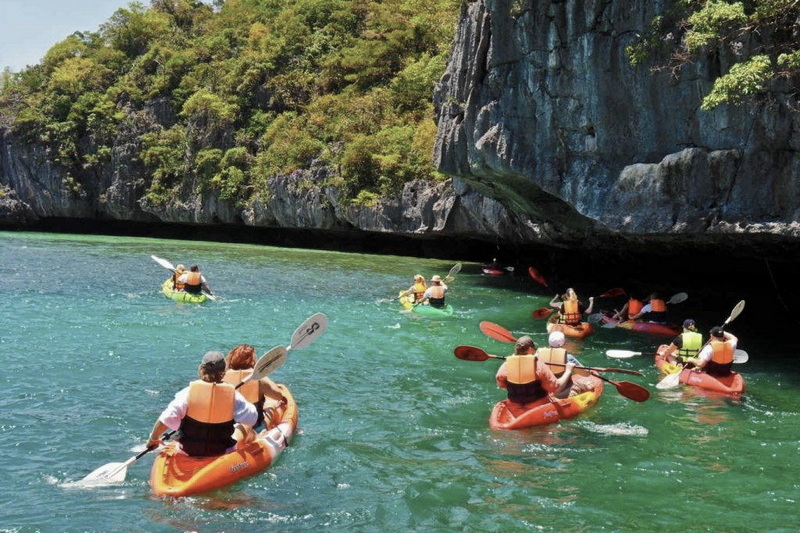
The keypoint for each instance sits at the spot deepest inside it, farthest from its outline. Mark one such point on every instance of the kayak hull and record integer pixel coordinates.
(645, 327)
(584, 329)
(548, 410)
(731, 385)
(181, 296)
(434, 312)
(176, 475)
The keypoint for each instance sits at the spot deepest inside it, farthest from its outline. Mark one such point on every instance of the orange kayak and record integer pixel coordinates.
(584, 329)
(732, 384)
(176, 474)
(547, 410)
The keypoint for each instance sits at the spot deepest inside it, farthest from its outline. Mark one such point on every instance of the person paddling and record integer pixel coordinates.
(241, 362)
(686, 345)
(570, 309)
(211, 415)
(417, 289)
(179, 271)
(557, 355)
(655, 310)
(716, 357)
(194, 282)
(527, 378)
(435, 293)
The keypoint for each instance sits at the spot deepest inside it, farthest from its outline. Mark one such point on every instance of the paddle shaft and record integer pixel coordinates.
(589, 368)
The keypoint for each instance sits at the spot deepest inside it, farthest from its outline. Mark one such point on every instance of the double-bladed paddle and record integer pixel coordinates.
(630, 390)
(169, 266)
(304, 335)
(674, 379)
(739, 356)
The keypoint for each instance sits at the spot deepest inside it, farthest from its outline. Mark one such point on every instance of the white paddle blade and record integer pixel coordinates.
(621, 354)
(736, 312)
(678, 298)
(308, 331)
(269, 362)
(740, 356)
(670, 382)
(106, 474)
(163, 262)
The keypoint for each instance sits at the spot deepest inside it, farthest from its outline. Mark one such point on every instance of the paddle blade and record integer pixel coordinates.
(621, 354)
(678, 298)
(740, 356)
(453, 271)
(670, 382)
(632, 391)
(106, 474)
(163, 262)
(536, 276)
(470, 353)
(267, 363)
(610, 293)
(542, 312)
(736, 312)
(595, 319)
(496, 332)
(308, 331)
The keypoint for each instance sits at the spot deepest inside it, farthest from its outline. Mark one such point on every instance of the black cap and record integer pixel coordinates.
(689, 323)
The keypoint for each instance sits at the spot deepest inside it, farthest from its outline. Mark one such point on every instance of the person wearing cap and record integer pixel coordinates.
(417, 289)
(194, 282)
(212, 416)
(684, 346)
(264, 394)
(716, 357)
(434, 294)
(570, 309)
(527, 378)
(179, 271)
(557, 357)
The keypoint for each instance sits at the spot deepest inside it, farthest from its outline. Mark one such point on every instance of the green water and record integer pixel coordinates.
(393, 432)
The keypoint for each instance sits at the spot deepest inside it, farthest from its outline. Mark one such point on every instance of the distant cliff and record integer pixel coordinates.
(552, 137)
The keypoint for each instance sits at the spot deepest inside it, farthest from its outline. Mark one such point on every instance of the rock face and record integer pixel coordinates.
(551, 137)
(541, 109)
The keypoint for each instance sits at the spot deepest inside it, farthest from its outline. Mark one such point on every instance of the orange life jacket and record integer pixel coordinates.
(721, 352)
(207, 428)
(634, 306)
(523, 385)
(658, 306)
(194, 281)
(554, 355)
(249, 390)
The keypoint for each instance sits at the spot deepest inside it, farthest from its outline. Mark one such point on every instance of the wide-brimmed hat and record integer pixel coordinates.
(436, 278)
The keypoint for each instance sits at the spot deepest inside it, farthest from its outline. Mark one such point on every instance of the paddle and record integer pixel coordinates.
(452, 274)
(536, 276)
(673, 380)
(496, 332)
(630, 390)
(473, 353)
(304, 335)
(542, 312)
(166, 264)
(739, 356)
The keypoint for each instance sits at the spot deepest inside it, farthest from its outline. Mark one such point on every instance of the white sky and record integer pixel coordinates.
(28, 28)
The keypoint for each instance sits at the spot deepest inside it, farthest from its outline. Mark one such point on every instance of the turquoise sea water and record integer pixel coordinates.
(393, 432)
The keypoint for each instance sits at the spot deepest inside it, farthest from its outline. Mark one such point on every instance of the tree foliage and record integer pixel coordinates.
(241, 90)
(755, 42)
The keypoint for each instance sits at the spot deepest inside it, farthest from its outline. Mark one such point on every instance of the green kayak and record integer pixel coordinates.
(181, 296)
(427, 310)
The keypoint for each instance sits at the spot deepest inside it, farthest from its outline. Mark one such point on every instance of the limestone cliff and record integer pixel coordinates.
(541, 109)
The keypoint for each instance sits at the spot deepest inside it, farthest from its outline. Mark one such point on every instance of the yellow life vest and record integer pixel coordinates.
(690, 344)
(419, 290)
(572, 313)
(249, 390)
(521, 369)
